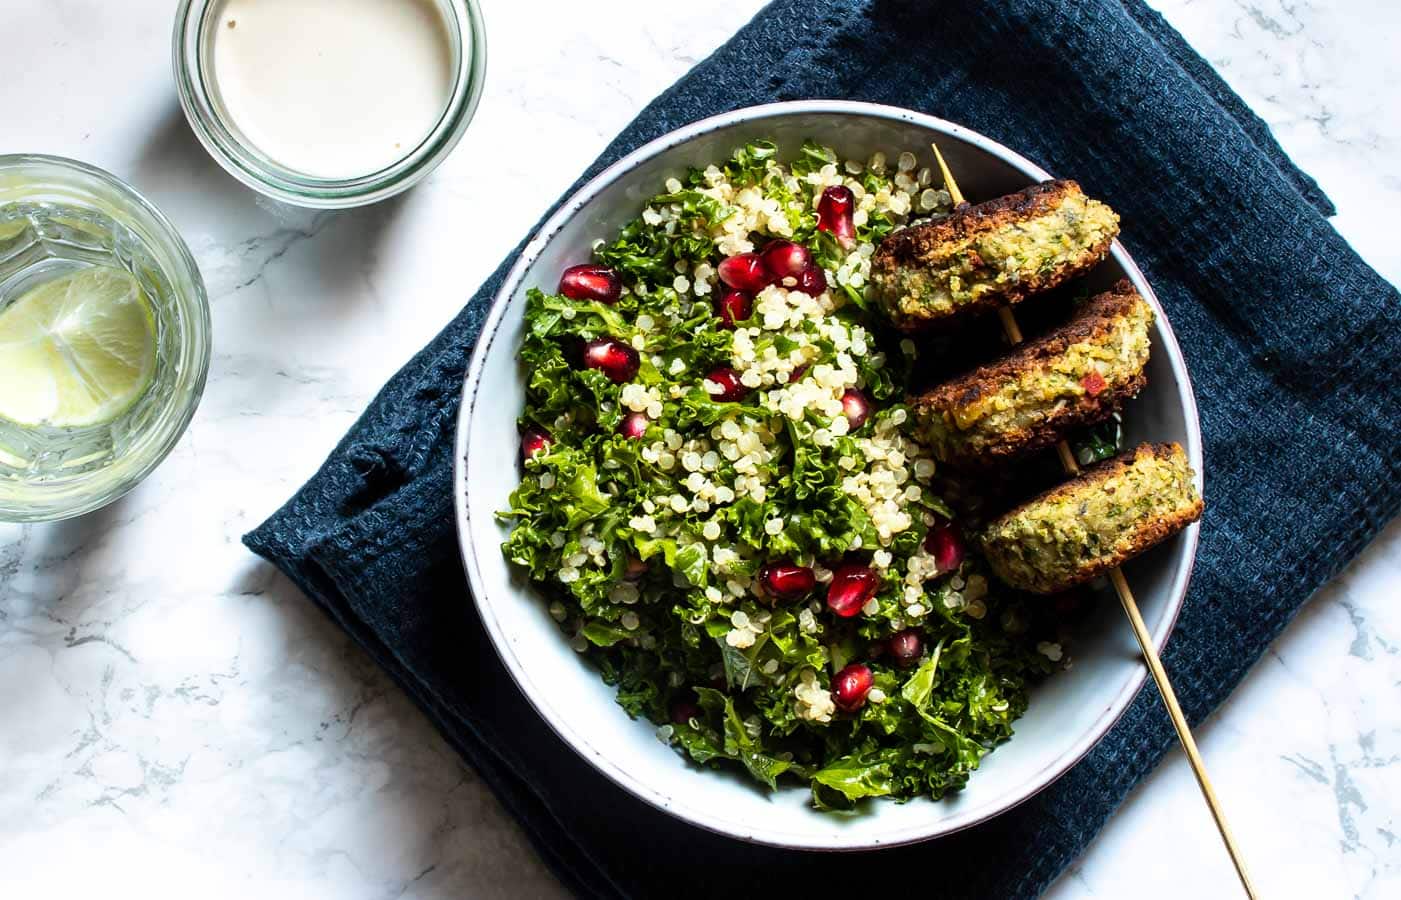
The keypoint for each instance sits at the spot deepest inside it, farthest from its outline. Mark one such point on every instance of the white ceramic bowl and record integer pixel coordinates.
(1068, 714)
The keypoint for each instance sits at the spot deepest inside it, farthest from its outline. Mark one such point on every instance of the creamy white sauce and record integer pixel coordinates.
(332, 88)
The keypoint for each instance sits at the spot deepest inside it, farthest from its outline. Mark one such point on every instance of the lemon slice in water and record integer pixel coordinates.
(76, 351)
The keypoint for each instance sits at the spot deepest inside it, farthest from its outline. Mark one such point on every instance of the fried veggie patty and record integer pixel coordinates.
(1087, 526)
(1001, 251)
(1077, 374)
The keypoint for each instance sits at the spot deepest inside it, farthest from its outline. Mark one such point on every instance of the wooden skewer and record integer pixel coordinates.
(1140, 630)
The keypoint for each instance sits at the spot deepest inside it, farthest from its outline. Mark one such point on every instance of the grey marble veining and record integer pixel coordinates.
(177, 719)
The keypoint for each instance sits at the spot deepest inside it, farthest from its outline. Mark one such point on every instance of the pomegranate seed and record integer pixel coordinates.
(906, 647)
(534, 441)
(636, 569)
(1093, 383)
(811, 281)
(784, 258)
(634, 425)
(850, 687)
(945, 543)
(852, 585)
(834, 213)
(731, 388)
(856, 408)
(683, 711)
(745, 272)
(734, 306)
(589, 282)
(613, 358)
(787, 581)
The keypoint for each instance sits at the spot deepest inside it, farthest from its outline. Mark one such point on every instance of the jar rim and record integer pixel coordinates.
(264, 175)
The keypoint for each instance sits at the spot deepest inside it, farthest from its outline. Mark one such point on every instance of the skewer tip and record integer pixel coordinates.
(949, 184)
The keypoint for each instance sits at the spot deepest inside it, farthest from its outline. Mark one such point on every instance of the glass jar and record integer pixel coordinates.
(61, 218)
(195, 23)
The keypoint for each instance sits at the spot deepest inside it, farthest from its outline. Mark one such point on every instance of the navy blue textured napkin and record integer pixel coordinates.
(1292, 341)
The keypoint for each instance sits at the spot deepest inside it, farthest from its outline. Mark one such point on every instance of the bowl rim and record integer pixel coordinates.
(754, 832)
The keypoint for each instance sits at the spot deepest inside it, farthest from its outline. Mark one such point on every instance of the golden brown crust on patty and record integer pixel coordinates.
(929, 245)
(1091, 322)
(1139, 536)
(1146, 535)
(916, 244)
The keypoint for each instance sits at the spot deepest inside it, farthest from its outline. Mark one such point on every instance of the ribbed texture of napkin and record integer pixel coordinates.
(1292, 342)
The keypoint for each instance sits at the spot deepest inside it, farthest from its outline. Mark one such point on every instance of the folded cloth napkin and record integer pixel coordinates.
(1291, 339)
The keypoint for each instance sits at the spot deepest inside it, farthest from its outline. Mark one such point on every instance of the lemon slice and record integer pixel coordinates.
(76, 351)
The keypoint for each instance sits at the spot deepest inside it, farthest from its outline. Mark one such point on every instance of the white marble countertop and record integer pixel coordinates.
(176, 716)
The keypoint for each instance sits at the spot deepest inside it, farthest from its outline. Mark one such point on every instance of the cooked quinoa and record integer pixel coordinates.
(997, 252)
(1077, 374)
(1087, 526)
(726, 507)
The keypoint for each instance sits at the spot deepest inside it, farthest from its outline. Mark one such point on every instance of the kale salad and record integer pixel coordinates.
(723, 504)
